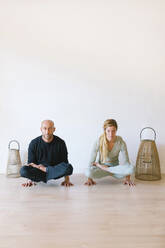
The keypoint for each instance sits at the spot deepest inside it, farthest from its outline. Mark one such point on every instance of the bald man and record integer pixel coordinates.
(47, 158)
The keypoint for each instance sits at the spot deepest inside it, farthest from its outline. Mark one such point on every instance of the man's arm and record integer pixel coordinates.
(64, 158)
(32, 153)
(63, 153)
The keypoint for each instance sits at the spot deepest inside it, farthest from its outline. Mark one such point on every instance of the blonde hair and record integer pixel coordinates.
(103, 142)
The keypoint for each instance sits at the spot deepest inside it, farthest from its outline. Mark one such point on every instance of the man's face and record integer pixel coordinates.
(47, 129)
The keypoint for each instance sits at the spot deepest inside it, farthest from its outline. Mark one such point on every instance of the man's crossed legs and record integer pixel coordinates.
(39, 173)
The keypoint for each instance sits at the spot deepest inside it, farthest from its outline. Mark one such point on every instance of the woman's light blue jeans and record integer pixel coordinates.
(117, 171)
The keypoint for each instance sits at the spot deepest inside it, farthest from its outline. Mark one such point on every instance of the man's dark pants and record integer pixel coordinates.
(52, 172)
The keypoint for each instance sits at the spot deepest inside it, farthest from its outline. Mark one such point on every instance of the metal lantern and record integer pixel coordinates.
(147, 162)
(14, 161)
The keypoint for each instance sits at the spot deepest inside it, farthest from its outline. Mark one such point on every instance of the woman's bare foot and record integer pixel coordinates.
(90, 182)
(29, 183)
(129, 182)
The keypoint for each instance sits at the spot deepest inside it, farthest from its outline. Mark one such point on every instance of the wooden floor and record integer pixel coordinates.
(106, 215)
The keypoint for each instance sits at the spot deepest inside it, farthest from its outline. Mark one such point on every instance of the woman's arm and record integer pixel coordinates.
(124, 153)
(92, 160)
(94, 153)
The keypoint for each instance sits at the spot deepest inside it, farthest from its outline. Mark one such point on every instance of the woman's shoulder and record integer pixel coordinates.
(120, 139)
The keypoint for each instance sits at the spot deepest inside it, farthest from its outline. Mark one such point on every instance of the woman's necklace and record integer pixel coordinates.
(111, 144)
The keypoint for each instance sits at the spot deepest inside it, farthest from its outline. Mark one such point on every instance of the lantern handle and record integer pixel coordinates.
(15, 142)
(148, 128)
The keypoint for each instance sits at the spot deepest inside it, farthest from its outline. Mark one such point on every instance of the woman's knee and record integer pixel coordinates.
(90, 172)
(94, 172)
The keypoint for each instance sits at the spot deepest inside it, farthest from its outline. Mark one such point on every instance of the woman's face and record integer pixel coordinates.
(110, 132)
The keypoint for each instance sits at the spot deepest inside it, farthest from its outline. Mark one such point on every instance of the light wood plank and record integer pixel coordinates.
(109, 214)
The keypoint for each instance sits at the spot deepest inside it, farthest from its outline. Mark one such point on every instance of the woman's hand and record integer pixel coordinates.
(103, 167)
(90, 182)
(95, 164)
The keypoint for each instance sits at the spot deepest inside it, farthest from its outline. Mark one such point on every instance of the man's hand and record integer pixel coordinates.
(34, 165)
(38, 166)
(67, 182)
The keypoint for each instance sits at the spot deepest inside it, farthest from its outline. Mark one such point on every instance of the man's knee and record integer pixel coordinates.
(24, 171)
(69, 169)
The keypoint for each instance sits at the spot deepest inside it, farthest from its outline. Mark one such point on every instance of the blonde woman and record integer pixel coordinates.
(107, 149)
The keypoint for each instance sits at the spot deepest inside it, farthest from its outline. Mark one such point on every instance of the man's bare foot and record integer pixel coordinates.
(90, 182)
(29, 183)
(67, 182)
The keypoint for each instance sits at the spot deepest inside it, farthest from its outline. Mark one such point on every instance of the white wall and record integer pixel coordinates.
(79, 63)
